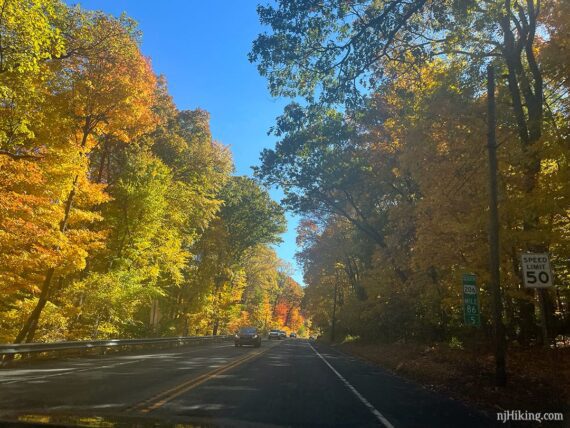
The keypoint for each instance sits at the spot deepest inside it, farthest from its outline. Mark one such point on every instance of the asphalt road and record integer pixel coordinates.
(283, 383)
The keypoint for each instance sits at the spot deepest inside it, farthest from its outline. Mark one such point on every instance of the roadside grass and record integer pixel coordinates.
(539, 379)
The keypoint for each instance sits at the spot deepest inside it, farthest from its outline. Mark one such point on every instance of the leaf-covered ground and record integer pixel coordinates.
(539, 379)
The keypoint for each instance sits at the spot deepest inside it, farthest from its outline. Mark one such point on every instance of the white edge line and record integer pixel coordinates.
(364, 401)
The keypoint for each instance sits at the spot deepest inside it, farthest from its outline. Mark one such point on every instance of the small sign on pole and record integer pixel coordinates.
(536, 270)
(471, 311)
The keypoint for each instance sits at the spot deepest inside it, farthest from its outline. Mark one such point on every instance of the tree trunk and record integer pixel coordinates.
(30, 326)
(28, 331)
(526, 90)
(525, 306)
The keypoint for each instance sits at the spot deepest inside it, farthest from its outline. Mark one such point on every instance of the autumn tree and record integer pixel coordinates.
(376, 61)
(262, 267)
(118, 213)
(249, 218)
(106, 90)
(287, 304)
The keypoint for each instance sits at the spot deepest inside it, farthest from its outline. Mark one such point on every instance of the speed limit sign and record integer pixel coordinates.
(536, 270)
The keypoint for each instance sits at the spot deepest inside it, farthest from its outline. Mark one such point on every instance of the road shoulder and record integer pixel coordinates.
(468, 376)
(402, 401)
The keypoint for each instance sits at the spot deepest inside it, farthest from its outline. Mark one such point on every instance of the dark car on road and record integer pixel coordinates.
(274, 334)
(293, 335)
(247, 336)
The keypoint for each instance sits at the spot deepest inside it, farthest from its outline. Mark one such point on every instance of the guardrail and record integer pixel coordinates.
(29, 348)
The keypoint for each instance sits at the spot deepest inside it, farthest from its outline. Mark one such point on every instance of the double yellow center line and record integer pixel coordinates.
(164, 397)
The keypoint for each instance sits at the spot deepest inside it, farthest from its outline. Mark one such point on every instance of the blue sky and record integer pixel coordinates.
(201, 47)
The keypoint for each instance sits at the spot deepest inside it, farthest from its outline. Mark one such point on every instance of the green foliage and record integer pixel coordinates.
(250, 216)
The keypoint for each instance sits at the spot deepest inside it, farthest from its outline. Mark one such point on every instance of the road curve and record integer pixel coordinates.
(283, 383)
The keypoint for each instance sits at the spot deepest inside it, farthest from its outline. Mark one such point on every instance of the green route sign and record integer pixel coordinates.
(471, 312)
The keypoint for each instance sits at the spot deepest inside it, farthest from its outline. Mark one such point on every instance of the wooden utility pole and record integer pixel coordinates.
(500, 343)
(334, 305)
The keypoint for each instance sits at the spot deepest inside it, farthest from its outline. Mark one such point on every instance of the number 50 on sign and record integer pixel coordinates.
(536, 270)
